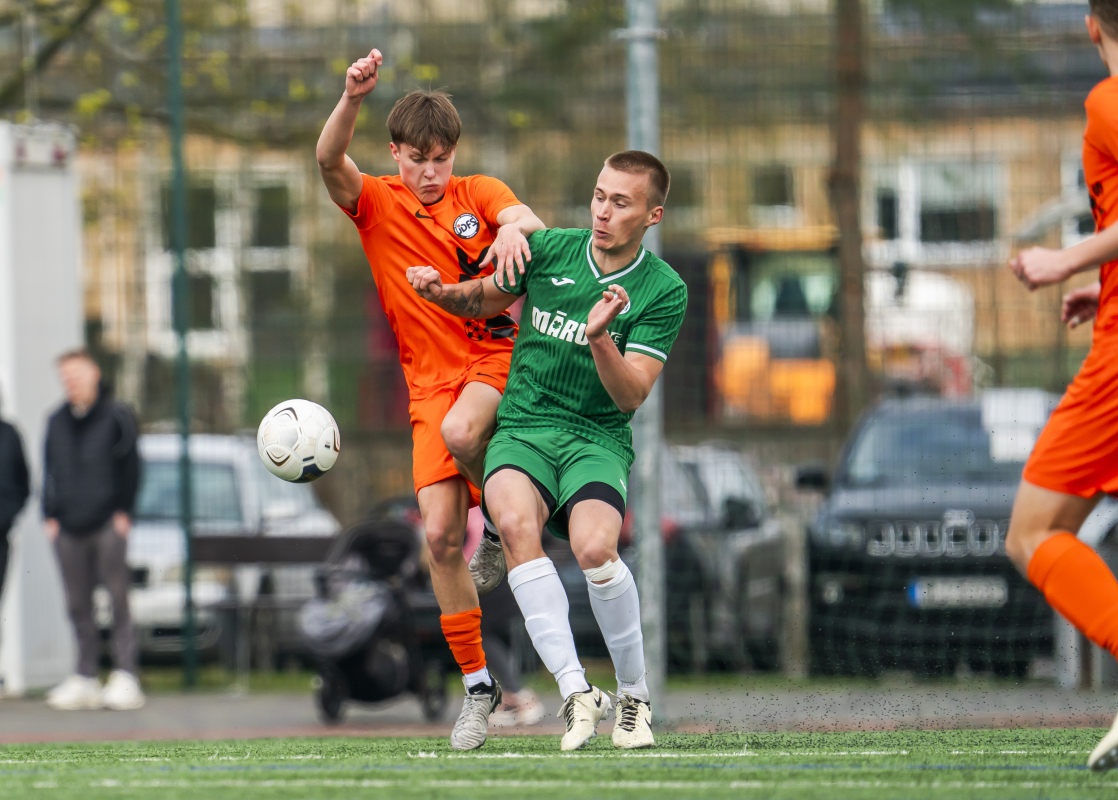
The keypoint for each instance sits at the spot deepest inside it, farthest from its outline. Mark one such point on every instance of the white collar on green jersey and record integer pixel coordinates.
(613, 275)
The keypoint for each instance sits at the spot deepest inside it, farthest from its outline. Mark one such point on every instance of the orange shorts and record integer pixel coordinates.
(1077, 452)
(431, 462)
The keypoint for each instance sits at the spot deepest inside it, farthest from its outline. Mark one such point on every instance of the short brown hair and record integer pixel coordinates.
(640, 162)
(423, 120)
(1106, 12)
(77, 352)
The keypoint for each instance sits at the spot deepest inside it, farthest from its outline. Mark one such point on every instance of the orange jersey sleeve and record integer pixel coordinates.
(373, 204)
(490, 196)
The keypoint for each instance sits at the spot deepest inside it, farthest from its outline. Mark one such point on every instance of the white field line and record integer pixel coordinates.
(528, 784)
(692, 754)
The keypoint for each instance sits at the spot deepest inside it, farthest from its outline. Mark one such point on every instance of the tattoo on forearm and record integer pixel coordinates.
(466, 300)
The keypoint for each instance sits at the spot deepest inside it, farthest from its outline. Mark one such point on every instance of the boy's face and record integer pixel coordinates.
(426, 174)
(620, 211)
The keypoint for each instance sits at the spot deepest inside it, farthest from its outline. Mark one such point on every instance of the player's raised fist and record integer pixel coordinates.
(361, 77)
(614, 300)
(426, 281)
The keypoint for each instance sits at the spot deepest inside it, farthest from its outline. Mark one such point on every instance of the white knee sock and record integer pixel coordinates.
(618, 611)
(543, 601)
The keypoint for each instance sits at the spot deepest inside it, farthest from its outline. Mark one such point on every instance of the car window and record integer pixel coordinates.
(292, 499)
(942, 445)
(683, 497)
(214, 487)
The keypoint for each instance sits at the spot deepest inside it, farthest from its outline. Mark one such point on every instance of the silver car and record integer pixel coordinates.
(233, 495)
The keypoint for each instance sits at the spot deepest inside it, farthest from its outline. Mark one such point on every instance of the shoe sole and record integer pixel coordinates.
(634, 746)
(564, 749)
(95, 706)
(124, 706)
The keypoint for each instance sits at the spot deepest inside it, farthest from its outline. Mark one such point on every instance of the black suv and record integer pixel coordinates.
(907, 558)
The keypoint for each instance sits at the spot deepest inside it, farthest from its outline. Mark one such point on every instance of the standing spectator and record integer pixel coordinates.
(92, 473)
(14, 488)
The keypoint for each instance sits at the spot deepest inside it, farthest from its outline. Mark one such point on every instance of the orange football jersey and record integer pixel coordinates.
(453, 236)
(1100, 171)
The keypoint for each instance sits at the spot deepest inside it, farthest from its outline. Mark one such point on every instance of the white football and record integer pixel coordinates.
(298, 441)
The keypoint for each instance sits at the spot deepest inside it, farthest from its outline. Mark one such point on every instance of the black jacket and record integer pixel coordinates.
(14, 486)
(92, 466)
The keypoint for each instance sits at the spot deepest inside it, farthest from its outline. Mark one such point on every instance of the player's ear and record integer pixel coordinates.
(395, 151)
(655, 215)
(1094, 30)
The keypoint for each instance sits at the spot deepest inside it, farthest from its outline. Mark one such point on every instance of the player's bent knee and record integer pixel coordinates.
(594, 554)
(443, 541)
(462, 440)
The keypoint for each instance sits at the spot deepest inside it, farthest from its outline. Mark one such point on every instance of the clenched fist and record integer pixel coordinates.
(361, 77)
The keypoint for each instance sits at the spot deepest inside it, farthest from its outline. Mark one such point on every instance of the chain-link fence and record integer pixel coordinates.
(968, 122)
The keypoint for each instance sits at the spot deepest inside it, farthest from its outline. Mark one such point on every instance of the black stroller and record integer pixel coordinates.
(373, 626)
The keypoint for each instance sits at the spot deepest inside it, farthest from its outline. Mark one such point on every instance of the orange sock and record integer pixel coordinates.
(1079, 585)
(463, 634)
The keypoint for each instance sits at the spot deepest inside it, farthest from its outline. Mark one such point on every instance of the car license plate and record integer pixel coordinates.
(958, 592)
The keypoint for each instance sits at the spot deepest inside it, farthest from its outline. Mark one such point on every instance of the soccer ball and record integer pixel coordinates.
(298, 441)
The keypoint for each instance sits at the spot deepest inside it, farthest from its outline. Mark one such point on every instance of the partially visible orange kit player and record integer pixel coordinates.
(1075, 460)
(455, 369)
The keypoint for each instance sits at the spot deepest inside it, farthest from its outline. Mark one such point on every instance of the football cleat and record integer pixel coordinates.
(487, 564)
(632, 729)
(472, 727)
(582, 712)
(1105, 756)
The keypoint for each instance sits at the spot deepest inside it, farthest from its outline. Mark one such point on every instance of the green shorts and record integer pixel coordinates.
(565, 468)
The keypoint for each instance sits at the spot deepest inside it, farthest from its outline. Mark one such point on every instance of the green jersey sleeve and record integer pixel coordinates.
(656, 330)
(539, 245)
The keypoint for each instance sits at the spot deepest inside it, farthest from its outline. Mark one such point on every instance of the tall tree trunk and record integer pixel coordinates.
(854, 380)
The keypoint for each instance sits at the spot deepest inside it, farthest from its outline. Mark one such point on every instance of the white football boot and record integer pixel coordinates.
(472, 727)
(487, 564)
(582, 712)
(632, 728)
(76, 693)
(1105, 756)
(122, 692)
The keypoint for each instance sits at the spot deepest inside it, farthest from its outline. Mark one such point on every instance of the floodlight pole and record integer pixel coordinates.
(641, 38)
(180, 295)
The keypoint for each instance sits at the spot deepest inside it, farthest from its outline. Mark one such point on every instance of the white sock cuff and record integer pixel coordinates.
(531, 571)
(615, 587)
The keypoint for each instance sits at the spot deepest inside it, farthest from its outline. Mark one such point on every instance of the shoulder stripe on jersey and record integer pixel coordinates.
(612, 275)
(501, 288)
(647, 349)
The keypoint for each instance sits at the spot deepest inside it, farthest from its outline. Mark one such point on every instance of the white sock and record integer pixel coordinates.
(475, 678)
(543, 601)
(618, 612)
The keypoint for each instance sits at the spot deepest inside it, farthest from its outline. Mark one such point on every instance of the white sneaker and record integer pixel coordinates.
(487, 564)
(76, 693)
(122, 692)
(1105, 756)
(633, 726)
(582, 712)
(472, 727)
(522, 708)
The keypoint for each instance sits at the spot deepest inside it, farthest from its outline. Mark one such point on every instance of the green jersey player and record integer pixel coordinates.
(600, 316)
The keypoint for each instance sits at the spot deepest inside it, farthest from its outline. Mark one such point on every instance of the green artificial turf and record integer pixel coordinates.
(922, 764)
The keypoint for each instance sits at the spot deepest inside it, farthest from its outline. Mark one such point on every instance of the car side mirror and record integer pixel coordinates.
(737, 513)
(813, 478)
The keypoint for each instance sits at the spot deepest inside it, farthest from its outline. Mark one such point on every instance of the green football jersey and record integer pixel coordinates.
(553, 381)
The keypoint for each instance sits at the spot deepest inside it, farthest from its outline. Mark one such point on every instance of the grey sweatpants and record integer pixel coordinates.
(87, 560)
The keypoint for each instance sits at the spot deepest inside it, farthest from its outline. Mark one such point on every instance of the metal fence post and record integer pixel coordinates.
(648, 424)
(181, 301)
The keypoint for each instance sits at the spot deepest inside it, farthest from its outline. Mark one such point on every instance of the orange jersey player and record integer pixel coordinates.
(455, 369)
(1075, 459)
